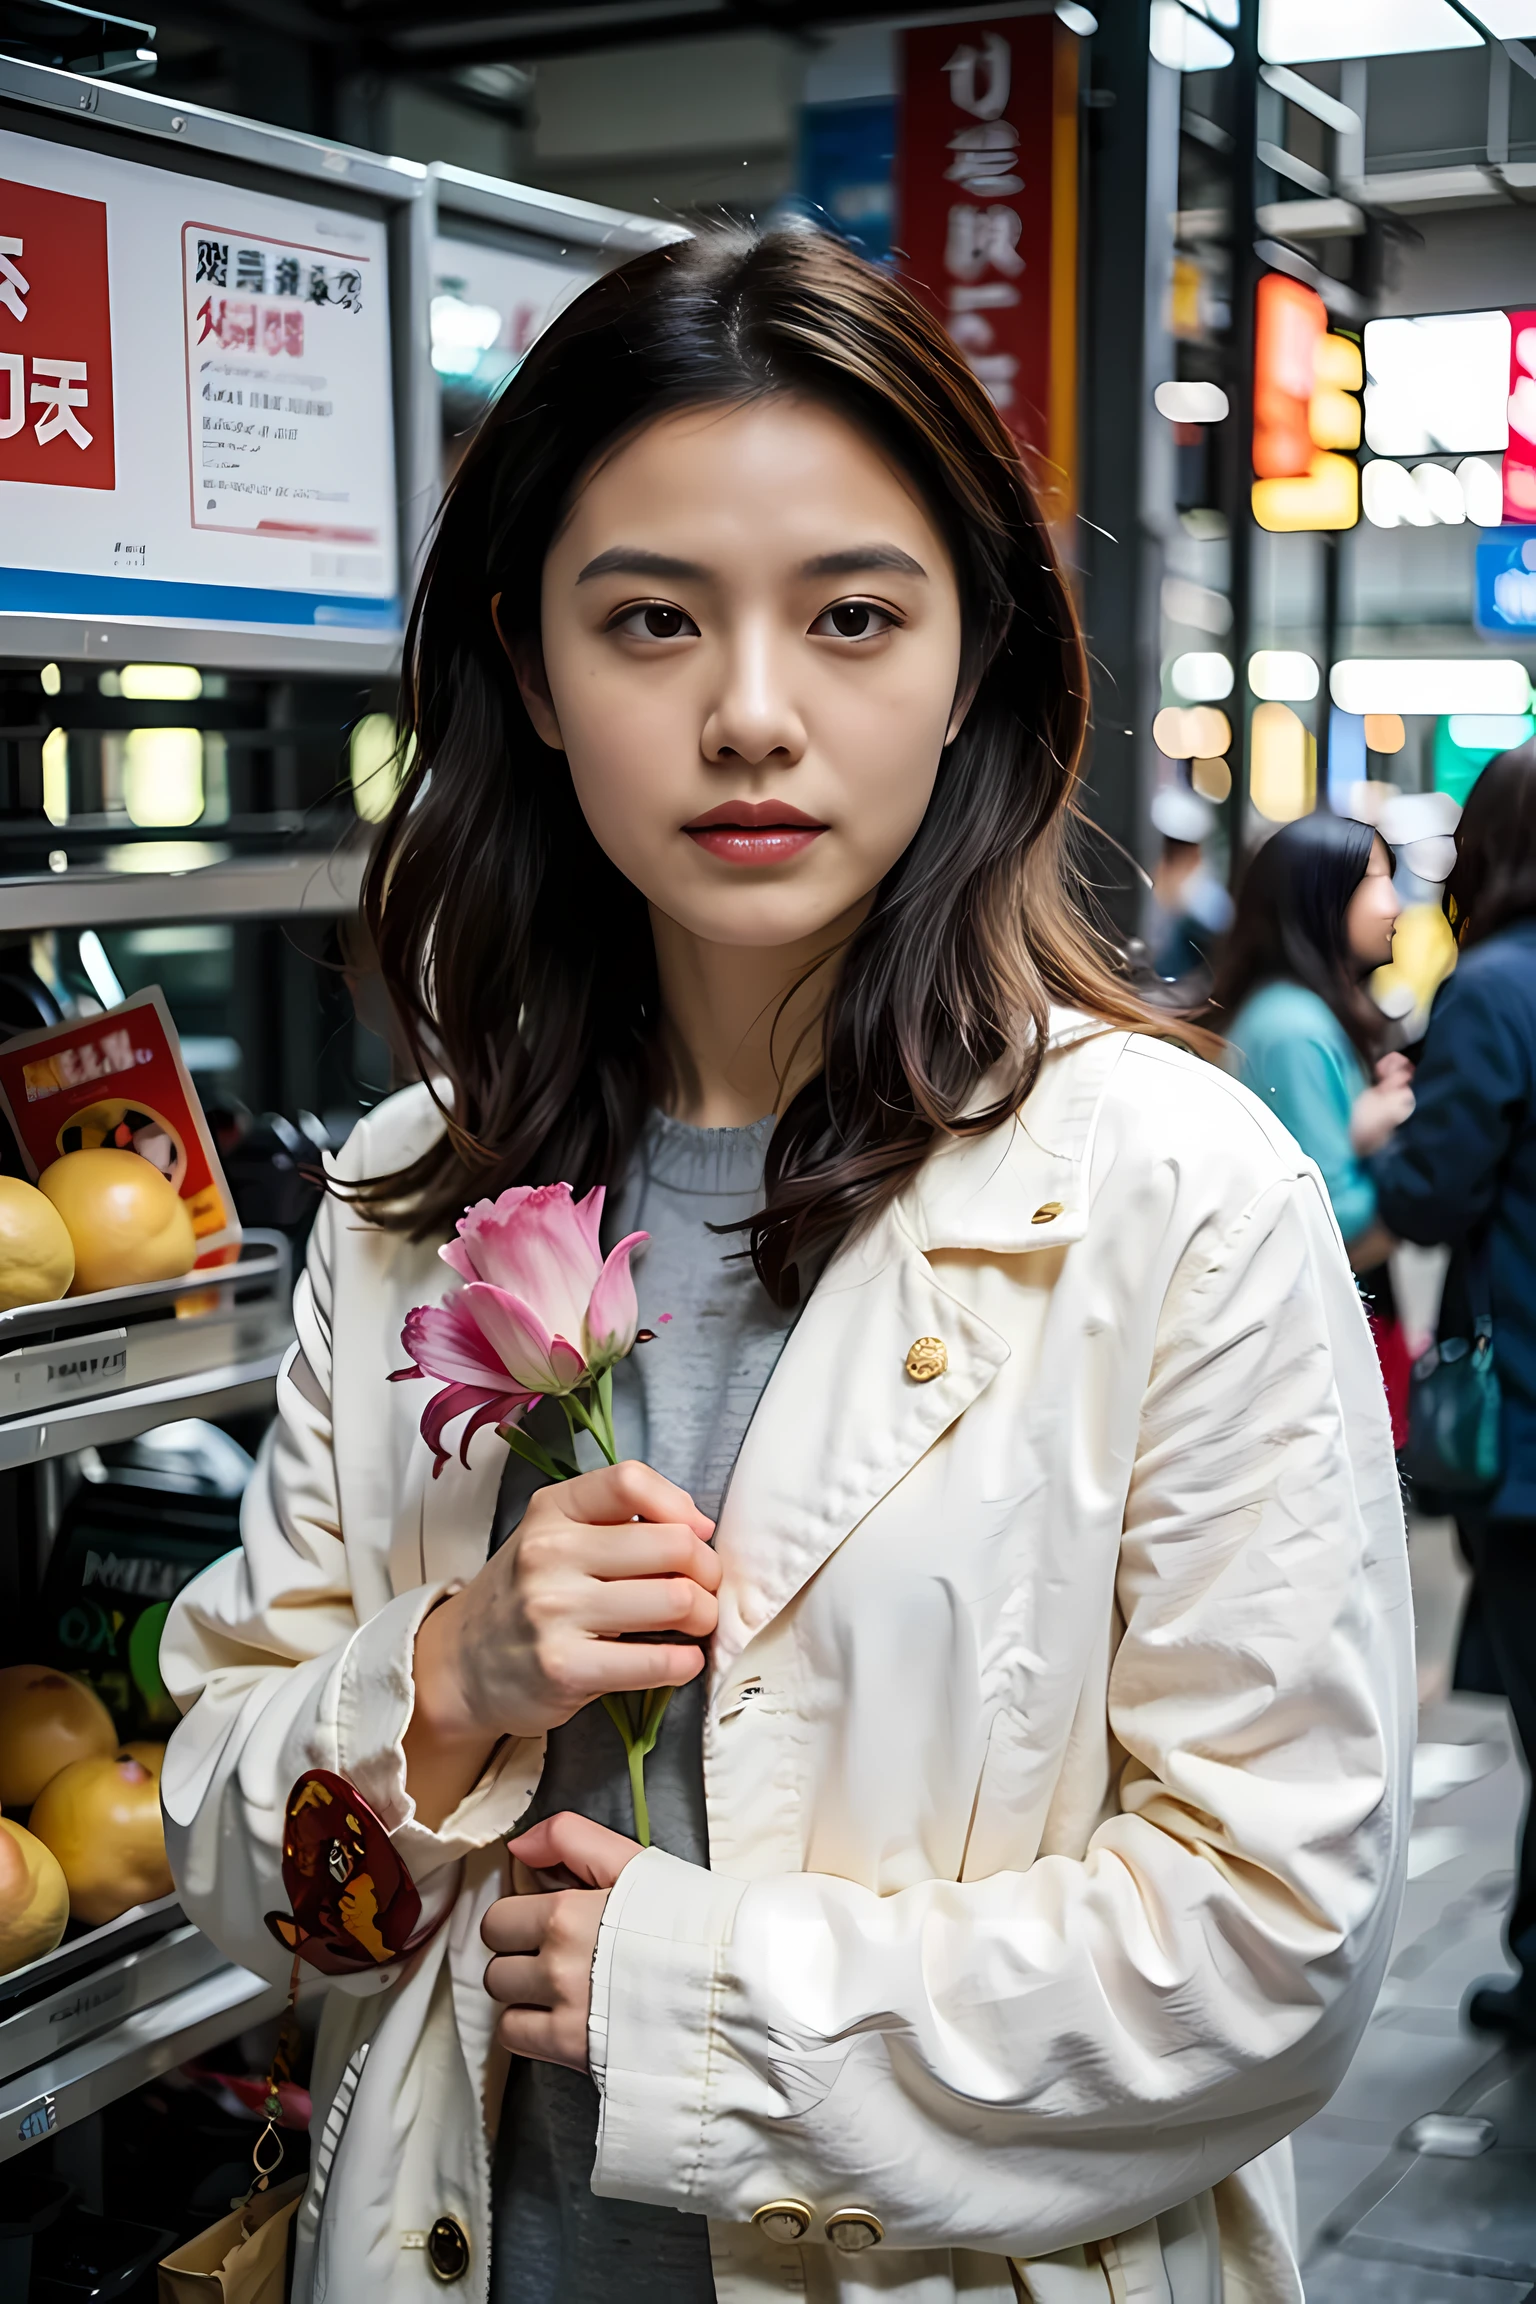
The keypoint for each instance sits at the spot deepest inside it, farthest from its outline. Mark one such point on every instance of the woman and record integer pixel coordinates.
(1462, 1169)
(1026, 1846)
(1314, 917)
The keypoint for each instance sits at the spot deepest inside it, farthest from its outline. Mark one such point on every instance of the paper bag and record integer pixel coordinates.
(243, 2259)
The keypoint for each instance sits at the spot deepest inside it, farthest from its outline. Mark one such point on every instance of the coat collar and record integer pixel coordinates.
(1024, 1184)
(842, 1421)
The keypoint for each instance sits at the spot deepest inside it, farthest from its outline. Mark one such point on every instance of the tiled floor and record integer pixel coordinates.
(1379, 2218)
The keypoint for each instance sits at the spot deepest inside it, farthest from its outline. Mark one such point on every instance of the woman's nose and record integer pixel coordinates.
(754, 718)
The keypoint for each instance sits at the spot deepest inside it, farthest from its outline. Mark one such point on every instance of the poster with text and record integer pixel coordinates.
(283, 424)
(196, 411)
(986, 221)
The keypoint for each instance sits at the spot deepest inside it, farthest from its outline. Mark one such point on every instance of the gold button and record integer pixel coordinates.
(783, 2221)
(929, 1357)
(448, 2250)
(852, 2230)
(1047, 1212)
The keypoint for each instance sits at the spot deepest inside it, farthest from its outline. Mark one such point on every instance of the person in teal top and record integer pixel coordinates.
(1315, 914)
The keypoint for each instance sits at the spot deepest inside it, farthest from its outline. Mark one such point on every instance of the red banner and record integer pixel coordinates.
(986, 177)
(55, 339)
(1520, 455)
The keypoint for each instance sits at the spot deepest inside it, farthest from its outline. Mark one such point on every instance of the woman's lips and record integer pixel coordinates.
(754, 831)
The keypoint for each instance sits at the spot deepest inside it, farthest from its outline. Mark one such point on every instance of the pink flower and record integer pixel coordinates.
(542, 1311)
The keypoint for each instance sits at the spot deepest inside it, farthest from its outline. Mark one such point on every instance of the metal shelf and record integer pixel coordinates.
(322, 883)
(152, 2040)
(92, 1369)
(94, 1423)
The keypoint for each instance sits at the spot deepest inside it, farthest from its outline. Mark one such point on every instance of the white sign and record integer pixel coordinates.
(1437, 385)
(495, 300)
(40, 1375)
(195, 412)
(287, 438)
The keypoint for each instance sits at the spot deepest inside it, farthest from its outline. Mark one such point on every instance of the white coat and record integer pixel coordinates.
(1057, 1736)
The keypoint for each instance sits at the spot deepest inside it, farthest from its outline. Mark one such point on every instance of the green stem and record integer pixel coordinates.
(639, 1743)
(637, 1795)
(533, 1452)
(577, 1412)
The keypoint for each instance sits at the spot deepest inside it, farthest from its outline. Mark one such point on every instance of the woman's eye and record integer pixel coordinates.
(853, 620)
(656, 622)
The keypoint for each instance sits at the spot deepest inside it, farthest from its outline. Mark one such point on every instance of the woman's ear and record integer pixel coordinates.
(526, 658)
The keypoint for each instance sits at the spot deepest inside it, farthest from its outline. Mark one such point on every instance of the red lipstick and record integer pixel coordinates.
(754, 831)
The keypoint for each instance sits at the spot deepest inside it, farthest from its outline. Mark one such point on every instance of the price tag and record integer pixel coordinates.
(42, 1375)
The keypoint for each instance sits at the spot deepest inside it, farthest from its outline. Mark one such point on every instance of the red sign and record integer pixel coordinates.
(55, 340)
(1520, 455)
(118, 1080)
(1290, 322)
(987, 216)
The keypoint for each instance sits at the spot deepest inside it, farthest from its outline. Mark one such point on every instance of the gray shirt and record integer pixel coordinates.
(681, 1403)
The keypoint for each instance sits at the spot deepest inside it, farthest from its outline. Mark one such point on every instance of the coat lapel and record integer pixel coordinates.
(841, 1421)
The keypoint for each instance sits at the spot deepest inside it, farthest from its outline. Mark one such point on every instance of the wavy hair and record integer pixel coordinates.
(519, 960)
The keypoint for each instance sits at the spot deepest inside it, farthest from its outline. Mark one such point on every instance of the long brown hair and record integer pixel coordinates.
(1493, 881)
(520, 960)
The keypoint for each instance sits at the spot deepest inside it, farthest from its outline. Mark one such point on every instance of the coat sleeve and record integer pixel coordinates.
(1024, 2061)
(1438, 1177)
(292, 1653)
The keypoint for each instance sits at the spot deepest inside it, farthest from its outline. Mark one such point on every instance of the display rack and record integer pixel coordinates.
(305, 883)
(94, 1369)
(70, 2085)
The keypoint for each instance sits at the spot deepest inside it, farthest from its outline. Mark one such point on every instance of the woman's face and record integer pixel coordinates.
(750, 654)
(1372, 913)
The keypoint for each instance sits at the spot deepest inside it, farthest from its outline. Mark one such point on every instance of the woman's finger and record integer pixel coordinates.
(516, 1924)
(628, 1491)
(651, 1604)
(588, 1849)
(623, 1667)
(643, 1549)
(520, 1982)
(544, 2037)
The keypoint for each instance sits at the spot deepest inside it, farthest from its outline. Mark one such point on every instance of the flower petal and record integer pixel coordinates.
(555, 1257)
(613, 1314)
(488, 1408)
(569, 1365)
(589, 1215)
(475, 1253)
(524, 1349)
(502, 1411)
(445, 1341)
(441, 1409)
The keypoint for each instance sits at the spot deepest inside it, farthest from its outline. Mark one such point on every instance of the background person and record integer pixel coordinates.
(1315, 915)
(1189, 909)
(1462, 1169)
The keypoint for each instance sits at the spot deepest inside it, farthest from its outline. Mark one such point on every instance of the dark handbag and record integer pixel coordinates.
(1453, 1404)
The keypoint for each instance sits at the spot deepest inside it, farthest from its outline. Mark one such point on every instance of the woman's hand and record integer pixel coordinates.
(535, 1636)
(1379, 1110)
(545, 1943)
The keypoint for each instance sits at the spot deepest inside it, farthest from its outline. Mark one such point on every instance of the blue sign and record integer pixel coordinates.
(1506, 582)
(847, 164)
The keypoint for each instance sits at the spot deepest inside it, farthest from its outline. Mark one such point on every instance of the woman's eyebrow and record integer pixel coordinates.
(859, 557)
(632, 560)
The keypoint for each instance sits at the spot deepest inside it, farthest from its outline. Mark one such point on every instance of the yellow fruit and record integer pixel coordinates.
(150, 1756)
(34, 1897)
(101, 1818)
(46, 1720)
(127, 1222)
(37, 1255)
